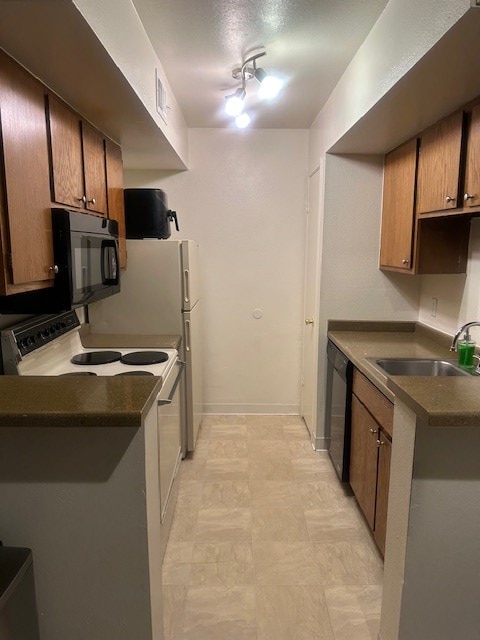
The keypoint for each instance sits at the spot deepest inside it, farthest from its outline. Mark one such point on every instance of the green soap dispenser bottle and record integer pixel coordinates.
(466, 351)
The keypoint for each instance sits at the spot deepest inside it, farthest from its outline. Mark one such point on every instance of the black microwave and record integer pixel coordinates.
(86, 265)
(86, 258)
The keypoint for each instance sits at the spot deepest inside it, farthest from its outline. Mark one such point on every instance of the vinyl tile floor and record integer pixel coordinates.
(265, 544)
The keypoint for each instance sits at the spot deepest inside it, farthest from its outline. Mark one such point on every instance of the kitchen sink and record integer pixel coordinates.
(418, 367)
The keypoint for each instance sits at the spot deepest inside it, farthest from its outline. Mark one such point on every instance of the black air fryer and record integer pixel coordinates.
(147, 215)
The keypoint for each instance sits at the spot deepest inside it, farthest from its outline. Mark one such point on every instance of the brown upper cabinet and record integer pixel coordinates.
(439, 166)
(77, 151)
(48, 155)
(471, 196)
(25, 215)
(116, 207)
(413, 244)
(431, 191)
(396, 249)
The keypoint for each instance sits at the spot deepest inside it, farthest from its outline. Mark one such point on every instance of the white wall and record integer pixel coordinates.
(243, 199)
(352, 286)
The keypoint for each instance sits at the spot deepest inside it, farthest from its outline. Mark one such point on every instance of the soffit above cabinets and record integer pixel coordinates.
(444, 80)
(51, 39)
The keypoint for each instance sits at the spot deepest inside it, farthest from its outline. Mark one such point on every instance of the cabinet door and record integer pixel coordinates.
(383, 482)
(66, 154)
(472, 172)
(116, 208)
(94, 168)
(398, 206)
(439, 165)
(27, 221)
(363, 459)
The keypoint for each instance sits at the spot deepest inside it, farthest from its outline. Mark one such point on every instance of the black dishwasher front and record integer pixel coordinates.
(338, 409)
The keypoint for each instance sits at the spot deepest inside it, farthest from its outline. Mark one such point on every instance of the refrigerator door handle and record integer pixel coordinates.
(187, 335)
(186, 286)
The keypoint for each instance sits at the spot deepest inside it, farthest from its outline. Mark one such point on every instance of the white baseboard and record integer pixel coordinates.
(321, 443)
(263, 409)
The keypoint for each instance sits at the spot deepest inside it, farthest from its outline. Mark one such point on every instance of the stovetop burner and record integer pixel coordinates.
(96, 357)
(135, 373)
(144, 357)
(78, 373)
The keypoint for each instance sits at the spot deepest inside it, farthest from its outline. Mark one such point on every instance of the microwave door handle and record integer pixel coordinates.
(109, 262)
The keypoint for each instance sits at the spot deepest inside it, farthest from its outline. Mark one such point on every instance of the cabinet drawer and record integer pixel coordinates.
(378, 405)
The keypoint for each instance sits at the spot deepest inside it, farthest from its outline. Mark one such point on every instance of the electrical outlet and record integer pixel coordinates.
(433, 311)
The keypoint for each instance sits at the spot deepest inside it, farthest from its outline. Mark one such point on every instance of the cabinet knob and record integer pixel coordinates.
(82, 199)
(468, 196)
(309, 321)
(449, 199)
(373, 431)
(405, 261)
(380, 442)
(92, 201)
(54, 268)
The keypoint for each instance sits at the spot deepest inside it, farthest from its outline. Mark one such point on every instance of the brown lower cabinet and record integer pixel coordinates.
(372, 421)
(383, 483)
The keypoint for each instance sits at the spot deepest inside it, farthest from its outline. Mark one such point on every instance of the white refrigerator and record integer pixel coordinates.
(160, 294)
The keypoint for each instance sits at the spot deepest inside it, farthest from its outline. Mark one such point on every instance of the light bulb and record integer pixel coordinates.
(234, 106)
(242, 120)
(270, 87)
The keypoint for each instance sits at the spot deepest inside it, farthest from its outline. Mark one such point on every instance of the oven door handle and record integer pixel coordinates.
(169, 400)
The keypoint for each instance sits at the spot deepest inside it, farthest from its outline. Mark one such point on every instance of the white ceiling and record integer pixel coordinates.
(308, 42)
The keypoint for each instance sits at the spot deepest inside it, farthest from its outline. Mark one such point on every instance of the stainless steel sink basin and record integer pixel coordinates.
(418, 367)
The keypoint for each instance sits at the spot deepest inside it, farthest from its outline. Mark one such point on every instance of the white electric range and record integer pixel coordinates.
(51, 346)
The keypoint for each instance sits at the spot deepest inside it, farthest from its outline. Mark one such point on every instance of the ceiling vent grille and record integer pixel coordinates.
(161, 97)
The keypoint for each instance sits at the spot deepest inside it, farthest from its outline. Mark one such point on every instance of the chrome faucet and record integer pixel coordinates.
(464, 328)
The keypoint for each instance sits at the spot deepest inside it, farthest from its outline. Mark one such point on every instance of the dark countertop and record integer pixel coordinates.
(83, 401)
(437, 400)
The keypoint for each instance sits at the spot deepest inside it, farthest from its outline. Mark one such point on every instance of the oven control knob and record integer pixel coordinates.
(45, 333)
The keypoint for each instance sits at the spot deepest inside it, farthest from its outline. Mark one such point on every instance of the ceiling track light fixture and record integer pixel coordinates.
(270, 86)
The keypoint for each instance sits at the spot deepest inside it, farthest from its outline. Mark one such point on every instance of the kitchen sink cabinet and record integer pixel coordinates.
(363, 459)
(116, 207)
(77, 153)
(25, 220)
(371, 424)
(383, 483)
